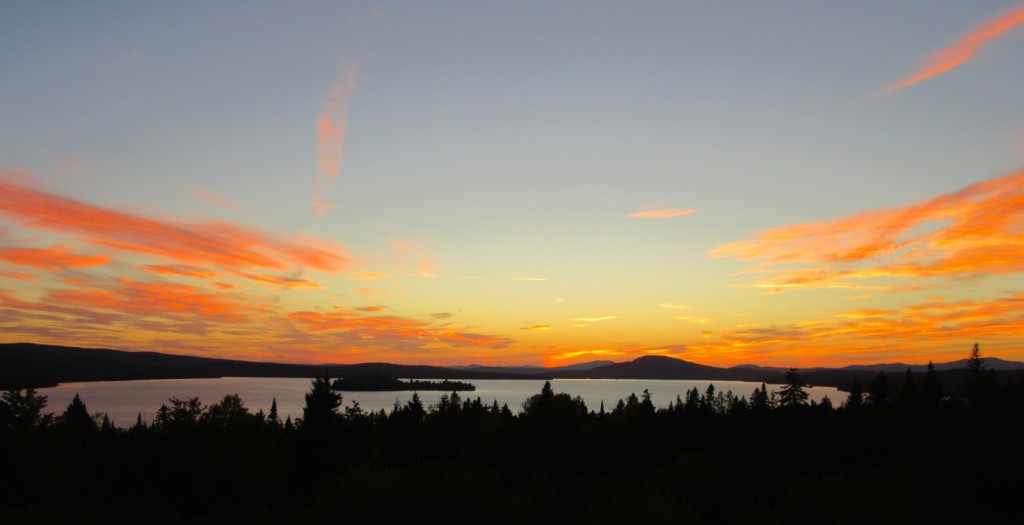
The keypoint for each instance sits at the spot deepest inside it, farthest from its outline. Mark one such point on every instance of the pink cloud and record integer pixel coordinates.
(964, 48)
(331, 126)
(661, 214)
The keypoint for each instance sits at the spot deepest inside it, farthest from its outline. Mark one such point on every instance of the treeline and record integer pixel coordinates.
(383, 383)
(897, 450)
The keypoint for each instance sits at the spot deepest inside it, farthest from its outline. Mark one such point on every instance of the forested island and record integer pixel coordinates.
(901, 448)
(382, 383)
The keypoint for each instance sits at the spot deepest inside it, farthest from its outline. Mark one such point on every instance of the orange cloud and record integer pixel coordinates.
(369, 276)
(978, 230)
(278, 280)
(53, 258)
(539, 327)
(370, 291)
(598, 352)
(935, 329)
(661, 214)
(964, 48)
(217, 243)
(158, 300)
(19, 276)
(389, 327)
(331, 125)
(185, 271)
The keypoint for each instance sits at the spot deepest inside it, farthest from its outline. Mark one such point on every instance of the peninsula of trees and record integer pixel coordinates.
(382, 383)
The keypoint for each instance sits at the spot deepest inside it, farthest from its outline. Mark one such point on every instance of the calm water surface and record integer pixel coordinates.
(123, 401)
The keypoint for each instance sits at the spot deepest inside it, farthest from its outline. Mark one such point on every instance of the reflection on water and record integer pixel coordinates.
(123, 401)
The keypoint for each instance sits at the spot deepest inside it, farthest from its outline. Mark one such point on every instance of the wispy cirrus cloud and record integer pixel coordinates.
(278, 280)
(595, 319)
(596, 352)
(53, 258)
(538, 327)
(184, 271)
(661, 214)
(964, 48)
(388, 326)
(331, 126)
(976, 231)
(214, 243)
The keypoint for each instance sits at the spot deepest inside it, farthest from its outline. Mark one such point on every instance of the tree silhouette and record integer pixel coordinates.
(975, 382)
(23, 411)
(793, 393)
(878, 392)
(273, 418)
(759, 399)
(322, 403)
(932, 391)
(77, 417)
(230, 411)
(856, 398)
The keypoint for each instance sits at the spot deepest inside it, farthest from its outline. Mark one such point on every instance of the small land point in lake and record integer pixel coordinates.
(382, 383)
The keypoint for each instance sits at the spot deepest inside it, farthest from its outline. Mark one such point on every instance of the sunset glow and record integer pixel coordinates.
(345, 184)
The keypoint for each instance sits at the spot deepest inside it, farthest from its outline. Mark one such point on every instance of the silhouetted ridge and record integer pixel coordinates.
(664, 367)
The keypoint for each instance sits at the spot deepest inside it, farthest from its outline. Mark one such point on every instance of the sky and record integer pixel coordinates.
(546, 183)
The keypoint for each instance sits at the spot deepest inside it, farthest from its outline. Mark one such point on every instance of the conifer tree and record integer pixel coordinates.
(793, 393)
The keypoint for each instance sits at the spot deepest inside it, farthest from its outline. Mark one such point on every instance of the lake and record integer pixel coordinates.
(123, 401)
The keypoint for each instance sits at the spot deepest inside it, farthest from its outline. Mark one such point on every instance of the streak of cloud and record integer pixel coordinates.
(594, 319)
(675, 306)
(331, 126)
(597, 352)
(278, 280)
(661, 214)
(976, 231)
(184, 271)
(964, 48)
(377, 326)
(215, 243)
(538, 327)
(53, 258)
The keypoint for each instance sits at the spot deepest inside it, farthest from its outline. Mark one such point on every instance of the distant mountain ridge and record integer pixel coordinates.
(36, 365)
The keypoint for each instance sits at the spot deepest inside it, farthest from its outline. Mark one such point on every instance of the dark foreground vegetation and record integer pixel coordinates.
(383, 383)
(897, 450)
